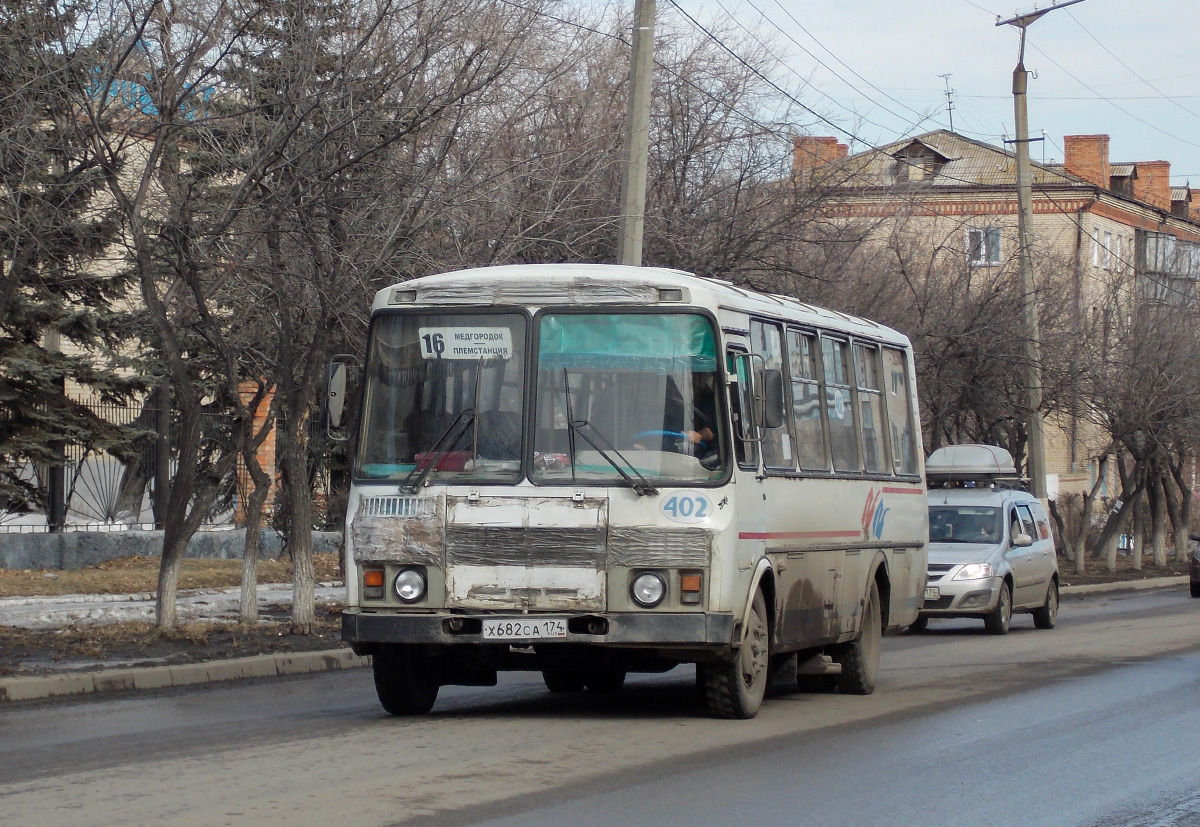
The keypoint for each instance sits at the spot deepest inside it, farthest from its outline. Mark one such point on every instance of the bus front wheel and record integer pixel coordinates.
(406, 680)
(735, 689)
(860, 658)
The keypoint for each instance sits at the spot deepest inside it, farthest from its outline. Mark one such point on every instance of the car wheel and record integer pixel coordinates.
(997, 622)
(860, 658)
(1047, 616)
(562, 680)
(1195, 588)
(735, 689)
(920, 624)
(406, 681)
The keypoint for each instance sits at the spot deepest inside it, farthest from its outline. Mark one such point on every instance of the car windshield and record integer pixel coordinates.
(443, 390)
(964, 524)
(627, 399)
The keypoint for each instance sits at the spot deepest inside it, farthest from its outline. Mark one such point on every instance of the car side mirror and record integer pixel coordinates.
(773, 404)
(1022, 540)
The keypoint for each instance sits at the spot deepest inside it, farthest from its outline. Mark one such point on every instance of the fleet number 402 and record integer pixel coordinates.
(684, 508)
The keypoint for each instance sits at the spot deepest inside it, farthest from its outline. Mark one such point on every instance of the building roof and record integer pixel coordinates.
(959, 161)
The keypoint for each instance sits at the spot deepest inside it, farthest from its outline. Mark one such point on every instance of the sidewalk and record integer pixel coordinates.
(54, 612)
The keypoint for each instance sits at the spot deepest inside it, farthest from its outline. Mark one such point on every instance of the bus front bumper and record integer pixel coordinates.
(659, 630)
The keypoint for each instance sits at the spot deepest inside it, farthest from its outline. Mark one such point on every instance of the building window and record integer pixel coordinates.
(983, 246)
(1107, 252)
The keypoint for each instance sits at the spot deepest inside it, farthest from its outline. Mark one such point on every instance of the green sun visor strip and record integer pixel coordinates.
(663, 343)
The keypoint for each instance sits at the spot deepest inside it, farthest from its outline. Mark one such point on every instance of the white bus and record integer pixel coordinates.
(591, 470)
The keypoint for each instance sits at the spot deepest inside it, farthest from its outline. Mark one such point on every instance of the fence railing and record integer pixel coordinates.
(102, 492)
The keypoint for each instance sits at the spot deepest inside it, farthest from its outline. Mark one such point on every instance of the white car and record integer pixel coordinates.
(991, 552)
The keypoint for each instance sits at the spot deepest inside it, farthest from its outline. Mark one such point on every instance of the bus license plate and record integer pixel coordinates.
(932, 593)
(524, 628)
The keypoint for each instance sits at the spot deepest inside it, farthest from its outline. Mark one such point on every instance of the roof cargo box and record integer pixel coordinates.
(970, 462)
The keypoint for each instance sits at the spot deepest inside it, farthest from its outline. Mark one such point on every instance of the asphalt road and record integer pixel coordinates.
(1093, 723)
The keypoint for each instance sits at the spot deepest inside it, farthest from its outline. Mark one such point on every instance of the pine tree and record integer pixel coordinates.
(58, 325)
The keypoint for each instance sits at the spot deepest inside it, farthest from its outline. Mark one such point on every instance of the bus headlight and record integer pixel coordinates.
(648, 589)
(409, 585)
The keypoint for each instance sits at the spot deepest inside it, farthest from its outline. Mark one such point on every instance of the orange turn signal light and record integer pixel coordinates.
(689, 583)
(373, 577)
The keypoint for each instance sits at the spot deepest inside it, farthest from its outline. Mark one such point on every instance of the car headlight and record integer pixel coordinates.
(648, 589)
(409, 585)
(974, 571)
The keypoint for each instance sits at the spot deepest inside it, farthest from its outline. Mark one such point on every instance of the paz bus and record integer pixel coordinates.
(590, 470)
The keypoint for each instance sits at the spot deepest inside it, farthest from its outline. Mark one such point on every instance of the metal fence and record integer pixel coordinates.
(104, 493)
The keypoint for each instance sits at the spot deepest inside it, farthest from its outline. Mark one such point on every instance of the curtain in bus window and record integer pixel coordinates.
(767, 341)
(640, 342)
(870, 401)
(895, 380)
(839, 405)
(806, 401)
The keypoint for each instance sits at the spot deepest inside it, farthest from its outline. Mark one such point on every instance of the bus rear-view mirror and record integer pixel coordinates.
(773, 404)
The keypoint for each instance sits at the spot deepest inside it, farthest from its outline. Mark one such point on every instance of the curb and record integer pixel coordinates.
(186, 674)
(137, 597)
(1127, 585)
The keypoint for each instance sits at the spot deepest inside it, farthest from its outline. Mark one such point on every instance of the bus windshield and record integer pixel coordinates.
(443, 390)
(627, 395)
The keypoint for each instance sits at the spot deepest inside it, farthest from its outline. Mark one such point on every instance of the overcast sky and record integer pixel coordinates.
(1126, 68)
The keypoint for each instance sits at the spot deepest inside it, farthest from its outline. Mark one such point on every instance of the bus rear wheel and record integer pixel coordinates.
(406, 680)
(860, 658)
(735, 689)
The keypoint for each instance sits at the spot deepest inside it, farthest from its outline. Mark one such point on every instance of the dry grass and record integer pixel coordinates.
(24, 651)
(132, 575)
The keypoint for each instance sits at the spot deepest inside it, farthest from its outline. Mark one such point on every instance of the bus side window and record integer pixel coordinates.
(745, 433)
(839, 404)
(767, 342)
(806, 401)
(870, 406)
(899, 411)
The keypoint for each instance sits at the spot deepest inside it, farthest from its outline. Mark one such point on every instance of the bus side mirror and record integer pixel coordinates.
(773, 404)
(337, 394)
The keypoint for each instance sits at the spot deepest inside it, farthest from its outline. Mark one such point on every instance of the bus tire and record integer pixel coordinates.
(860, 658)
(735, 689)
(605, 680)
(562, 681)
(406, 681)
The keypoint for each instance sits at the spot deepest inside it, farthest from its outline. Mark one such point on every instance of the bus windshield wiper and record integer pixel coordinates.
(440, 448)
(642, 485)
(576, 426)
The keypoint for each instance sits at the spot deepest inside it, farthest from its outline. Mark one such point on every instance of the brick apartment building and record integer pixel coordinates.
(1107, 223)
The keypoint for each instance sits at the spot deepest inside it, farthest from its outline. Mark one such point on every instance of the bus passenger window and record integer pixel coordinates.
(870, 403)
(806, 401)
(767, 342)
(843, 434)
(899, 411)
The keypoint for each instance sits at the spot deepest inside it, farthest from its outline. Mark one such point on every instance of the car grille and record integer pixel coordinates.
(942, 602)
(937, 571)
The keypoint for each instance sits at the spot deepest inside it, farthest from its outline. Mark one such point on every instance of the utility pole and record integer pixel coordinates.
(637, 138)
(1034, 425)
(949, 99)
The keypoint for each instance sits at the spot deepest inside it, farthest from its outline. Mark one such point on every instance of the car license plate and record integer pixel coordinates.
(524, 628)
(932, 593)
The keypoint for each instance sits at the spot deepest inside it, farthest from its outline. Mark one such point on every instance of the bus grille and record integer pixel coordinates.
(515, 546)
(656, 547)
(397, 507)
